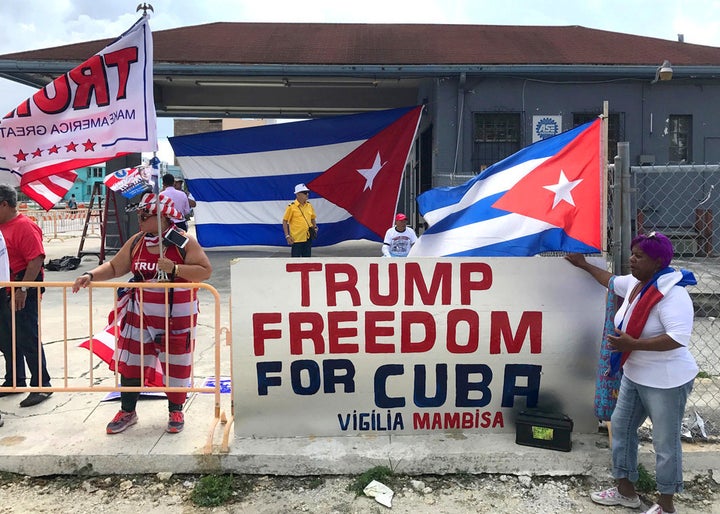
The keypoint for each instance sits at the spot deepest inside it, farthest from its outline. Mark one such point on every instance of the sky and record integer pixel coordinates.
(35, 24)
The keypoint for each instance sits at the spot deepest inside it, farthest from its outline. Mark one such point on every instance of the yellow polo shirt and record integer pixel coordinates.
(295, 215)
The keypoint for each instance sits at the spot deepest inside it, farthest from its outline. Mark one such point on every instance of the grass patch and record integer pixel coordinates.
(646, 481)
(379, 473)
(703, 374)
(212, 490)
(315, 482)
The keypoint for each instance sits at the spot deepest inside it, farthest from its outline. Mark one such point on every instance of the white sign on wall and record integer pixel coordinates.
(327, 347)
(545, 126)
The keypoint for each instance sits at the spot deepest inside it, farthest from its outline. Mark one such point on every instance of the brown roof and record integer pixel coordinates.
(398, 44)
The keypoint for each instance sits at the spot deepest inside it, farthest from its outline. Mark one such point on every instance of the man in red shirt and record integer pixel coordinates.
(26, 254)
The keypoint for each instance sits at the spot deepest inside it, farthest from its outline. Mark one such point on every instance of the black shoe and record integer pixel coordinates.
(34, 399)
(3, 394)
(2, 422)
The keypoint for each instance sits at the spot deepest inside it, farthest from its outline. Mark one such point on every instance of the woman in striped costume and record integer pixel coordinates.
(144, 314)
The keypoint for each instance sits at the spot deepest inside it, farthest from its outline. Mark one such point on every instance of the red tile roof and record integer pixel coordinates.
(398, 44)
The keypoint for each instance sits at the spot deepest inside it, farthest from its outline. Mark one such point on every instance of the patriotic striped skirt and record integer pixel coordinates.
(146, 315)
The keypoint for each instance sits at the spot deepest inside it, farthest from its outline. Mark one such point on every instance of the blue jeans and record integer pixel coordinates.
(666, 408)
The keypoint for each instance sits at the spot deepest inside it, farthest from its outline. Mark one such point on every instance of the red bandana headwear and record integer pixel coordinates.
(149, 204)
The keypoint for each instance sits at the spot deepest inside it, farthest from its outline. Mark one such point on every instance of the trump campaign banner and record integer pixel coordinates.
(102, 109)
(364, 346)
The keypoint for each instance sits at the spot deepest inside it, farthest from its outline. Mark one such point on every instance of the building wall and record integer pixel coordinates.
(636, 101)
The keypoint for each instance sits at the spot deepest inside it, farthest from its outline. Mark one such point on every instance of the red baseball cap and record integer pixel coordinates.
(400, 217)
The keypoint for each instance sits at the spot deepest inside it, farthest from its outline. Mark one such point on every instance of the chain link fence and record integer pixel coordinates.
(681, 202)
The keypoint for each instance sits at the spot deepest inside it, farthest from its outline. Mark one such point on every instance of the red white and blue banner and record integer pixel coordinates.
(102, 109)
(130, 182)
(546, 197)
(367, 346)
(243, 179)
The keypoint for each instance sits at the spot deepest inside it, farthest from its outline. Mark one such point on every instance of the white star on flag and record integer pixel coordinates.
(563, 190)
(371, 173)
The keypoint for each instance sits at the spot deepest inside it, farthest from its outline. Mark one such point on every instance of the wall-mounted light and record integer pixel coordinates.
(664, 72)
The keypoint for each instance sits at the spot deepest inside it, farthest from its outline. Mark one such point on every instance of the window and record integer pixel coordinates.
(680, 132)
(616, 129)
(495, 136)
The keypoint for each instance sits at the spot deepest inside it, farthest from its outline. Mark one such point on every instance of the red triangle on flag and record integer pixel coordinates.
(565, 190)
(366, 182)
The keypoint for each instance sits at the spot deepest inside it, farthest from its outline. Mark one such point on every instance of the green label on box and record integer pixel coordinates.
(544, 433)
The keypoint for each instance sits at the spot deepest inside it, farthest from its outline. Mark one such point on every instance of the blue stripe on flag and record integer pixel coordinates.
(284, 136)
(546, 241)
(220, 234)
(248, 189)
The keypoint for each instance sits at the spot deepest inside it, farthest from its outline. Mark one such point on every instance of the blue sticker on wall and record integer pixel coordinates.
(546, 127)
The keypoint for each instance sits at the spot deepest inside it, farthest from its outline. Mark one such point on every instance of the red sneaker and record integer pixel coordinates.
(121, 421)
(176, 422)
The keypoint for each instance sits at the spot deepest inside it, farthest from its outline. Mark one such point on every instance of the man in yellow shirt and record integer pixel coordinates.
(298, 222)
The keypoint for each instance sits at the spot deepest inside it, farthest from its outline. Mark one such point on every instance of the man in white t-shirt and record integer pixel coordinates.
(399, 238)
(179, 198)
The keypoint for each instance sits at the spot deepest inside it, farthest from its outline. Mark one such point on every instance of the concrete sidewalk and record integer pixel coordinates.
(66, 434)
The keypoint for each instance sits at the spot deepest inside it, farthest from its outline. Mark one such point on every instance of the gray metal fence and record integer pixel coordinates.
(681, 202)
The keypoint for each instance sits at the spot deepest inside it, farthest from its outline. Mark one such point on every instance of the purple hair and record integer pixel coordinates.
(655, 245)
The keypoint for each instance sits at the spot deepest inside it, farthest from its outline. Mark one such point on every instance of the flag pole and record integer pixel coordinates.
(604, 178)
(155, 163)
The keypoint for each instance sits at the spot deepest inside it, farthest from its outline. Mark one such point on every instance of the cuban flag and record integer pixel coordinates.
(243, 179)
(102, 109)
(546, 197)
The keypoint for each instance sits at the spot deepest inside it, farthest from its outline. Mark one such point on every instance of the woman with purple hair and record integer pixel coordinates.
(652, 333)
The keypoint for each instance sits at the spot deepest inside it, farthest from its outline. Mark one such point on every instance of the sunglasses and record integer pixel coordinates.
(144, 215)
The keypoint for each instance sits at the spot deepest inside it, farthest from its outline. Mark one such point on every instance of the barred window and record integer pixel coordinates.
(495, 136)
(680, 132)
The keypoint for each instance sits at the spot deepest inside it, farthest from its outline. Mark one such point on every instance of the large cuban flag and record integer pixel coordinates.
(243, 179)
(102, 109)
(546, 197)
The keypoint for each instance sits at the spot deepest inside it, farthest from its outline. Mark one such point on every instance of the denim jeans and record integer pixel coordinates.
(666, 408)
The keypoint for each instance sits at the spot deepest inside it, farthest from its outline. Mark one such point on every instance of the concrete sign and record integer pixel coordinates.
(328, 347)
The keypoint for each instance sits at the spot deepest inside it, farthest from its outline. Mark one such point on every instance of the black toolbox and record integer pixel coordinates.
(543, 429)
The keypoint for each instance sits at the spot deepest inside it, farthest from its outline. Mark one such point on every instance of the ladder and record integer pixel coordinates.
(109, 243)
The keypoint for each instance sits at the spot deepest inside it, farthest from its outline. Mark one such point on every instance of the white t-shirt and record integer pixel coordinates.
(180, 200)
(673, 315)
(4, 261)
(397, 244)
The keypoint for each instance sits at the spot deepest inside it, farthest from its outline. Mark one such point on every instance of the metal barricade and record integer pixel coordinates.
(74, 317)
(59, 224)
